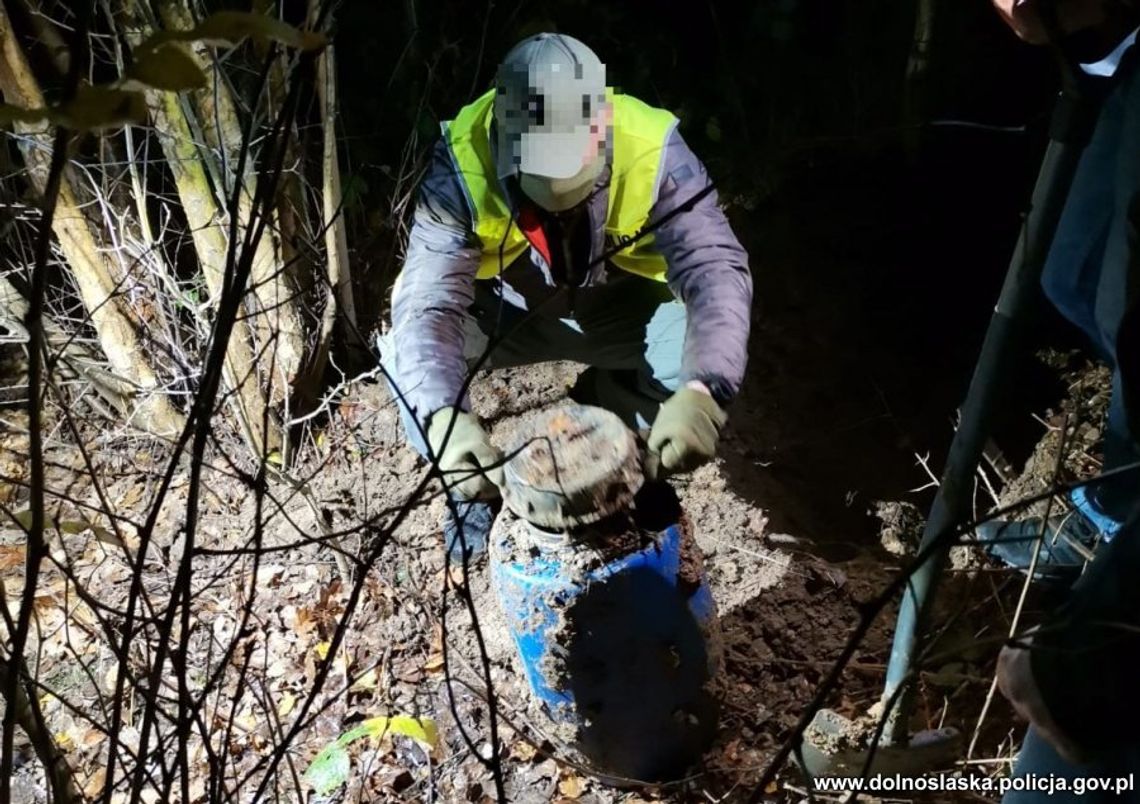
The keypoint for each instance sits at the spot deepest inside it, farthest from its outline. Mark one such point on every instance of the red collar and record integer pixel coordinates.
(530, 224)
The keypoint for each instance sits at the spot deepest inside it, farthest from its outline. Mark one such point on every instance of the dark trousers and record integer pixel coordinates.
(1038, 761)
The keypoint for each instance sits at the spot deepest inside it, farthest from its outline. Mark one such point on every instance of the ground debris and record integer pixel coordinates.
(901, 529)
(785, 615)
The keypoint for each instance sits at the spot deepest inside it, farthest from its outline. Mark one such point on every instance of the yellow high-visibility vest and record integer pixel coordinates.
(639, 134)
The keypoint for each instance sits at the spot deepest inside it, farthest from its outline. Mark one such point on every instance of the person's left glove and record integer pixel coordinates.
(685, 433)
(471, 464)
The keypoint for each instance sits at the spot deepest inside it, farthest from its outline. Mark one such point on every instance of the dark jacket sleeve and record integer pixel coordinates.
(1128, 336)
(433, 292)
(708, 271)
(1086, 660)
(1086, 656)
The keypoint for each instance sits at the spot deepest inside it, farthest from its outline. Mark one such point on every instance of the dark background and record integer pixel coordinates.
(879, 214)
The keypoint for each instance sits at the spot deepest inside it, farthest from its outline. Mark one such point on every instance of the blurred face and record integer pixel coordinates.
(559, 195)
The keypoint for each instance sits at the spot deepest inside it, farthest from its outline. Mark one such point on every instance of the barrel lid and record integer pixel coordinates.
(572, 465)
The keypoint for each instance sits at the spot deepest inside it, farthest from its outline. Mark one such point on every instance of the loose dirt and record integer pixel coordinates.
(827, 427)
(425, 640)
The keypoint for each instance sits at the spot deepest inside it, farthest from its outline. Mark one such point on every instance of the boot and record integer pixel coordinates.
(1061, 557)
(467, 526)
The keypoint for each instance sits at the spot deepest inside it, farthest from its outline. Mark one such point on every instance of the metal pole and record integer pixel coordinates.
(1073, 119)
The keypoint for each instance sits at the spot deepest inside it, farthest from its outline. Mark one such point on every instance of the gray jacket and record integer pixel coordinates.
(707, 270)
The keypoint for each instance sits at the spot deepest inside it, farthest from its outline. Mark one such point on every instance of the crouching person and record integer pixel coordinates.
(525, 239)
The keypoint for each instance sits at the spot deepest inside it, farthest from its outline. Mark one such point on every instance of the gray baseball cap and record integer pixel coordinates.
(548, 90)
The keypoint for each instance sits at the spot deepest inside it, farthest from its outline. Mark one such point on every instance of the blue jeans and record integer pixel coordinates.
(1086, 273)
(630, 331)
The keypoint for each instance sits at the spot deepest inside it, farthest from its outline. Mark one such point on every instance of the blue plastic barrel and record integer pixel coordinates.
(622, 655)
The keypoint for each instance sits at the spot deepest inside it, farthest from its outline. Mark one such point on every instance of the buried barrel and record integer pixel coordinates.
(606, 599)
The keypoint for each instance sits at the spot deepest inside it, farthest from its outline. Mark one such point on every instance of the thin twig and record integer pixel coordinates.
(1058, 465)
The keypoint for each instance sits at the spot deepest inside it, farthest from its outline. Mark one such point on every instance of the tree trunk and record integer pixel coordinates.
(209, 235)
(210, 246)
(92, 271)
(336, 237)
(340, 274)
(277, 321)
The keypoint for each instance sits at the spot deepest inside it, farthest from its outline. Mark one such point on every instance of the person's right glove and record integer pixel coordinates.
(470, 462)
(685, 433)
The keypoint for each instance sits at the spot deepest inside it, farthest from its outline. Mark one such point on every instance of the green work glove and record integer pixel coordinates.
(470, 462)
(685, 433)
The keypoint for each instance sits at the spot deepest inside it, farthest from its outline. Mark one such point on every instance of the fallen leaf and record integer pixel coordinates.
(246, 721)
(368, 681)
(570, 786)
(422, 730)
(330, 769)
(322, 650)
(286, 704)
(45, 603)
(94, 784)
(305, 622)
(524, 751)
(82, 615)
(12, 555)
(434, 663)
(131, 497)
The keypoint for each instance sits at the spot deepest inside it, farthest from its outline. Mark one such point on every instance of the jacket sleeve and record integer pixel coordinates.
(433, 293)
(708, 271)
(1085, 660)
(1128, 336)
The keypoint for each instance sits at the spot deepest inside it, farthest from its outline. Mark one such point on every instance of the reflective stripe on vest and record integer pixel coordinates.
(639, 135)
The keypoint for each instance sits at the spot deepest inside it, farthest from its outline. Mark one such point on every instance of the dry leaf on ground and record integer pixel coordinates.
(571, 786)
